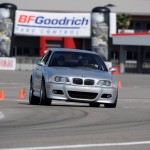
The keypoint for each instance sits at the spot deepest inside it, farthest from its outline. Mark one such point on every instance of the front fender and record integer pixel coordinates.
(47, 74)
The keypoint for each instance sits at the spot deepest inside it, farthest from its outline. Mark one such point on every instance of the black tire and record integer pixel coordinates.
(33, 100)
(94, 104)
(112, 105)
(43, 98)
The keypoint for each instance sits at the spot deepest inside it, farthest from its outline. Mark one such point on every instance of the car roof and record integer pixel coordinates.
(74, 50)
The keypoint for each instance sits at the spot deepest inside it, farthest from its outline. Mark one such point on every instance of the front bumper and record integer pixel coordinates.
(81, 93)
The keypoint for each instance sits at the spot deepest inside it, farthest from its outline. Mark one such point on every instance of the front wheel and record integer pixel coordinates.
(43, 98)
(112, 105)
(33, 100)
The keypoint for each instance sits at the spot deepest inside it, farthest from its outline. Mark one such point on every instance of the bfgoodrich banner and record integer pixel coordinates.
(52, 24)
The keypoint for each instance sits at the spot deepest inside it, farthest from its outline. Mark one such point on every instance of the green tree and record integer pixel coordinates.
(123, 21)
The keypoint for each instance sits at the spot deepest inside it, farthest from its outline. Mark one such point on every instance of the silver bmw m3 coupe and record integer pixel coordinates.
(73, 75)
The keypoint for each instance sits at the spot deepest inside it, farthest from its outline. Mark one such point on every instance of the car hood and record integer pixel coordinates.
(76, 72)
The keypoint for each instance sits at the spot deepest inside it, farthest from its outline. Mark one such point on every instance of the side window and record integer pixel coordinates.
(46, 57)
(101, 63)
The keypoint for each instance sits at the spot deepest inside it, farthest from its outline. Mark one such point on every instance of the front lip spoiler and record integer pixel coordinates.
(68, 87)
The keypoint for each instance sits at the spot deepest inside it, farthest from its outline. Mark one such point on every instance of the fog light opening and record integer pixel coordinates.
(106, 96)
(57, 92)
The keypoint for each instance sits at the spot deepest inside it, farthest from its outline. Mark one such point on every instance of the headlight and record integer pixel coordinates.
(59, 79)
(105, 83)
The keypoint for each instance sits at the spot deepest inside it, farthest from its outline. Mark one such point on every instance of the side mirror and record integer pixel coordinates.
(41, 63)
(111, 69)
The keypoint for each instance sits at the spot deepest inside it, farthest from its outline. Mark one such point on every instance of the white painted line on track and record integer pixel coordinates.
(15, 100)
(81, 146)
(13, 87)
(21, 100)
(127, 107)
(12, 83)
(2, 116)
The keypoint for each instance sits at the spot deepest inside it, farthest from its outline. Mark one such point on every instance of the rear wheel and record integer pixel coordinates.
(94, 104)
(33, 100)
(43, 98)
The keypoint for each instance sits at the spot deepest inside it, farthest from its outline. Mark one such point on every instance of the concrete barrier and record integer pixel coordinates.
(26, 63)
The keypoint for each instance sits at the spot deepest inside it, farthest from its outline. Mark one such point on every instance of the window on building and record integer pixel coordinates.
(147, 56)
(131, 55)
(146, 51)
(148, 26)
(26, 51)
(131, 26)
(33, 52)
(19, 51)
(137, 27)
(36, 52)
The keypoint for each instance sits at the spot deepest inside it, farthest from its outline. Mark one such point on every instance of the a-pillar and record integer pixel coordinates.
(122, 59)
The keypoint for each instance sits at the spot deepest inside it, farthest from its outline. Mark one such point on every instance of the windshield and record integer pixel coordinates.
(77, 60)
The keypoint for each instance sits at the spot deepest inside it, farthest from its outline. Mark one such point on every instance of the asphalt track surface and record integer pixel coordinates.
(75, 125)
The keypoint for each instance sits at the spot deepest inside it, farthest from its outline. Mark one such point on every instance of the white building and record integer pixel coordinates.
(130, 51)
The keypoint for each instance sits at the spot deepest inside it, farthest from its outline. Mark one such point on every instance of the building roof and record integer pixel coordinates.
(118, 6)
(138, 39)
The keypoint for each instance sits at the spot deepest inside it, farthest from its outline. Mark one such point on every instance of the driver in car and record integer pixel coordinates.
(61, 61)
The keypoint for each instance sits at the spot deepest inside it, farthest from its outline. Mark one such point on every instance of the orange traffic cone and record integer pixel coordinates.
(21, 95)
(119, 84)
(2, 94)
(24, 92)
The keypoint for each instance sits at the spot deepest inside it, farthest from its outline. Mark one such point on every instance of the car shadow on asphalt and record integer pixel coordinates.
(62, 105)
